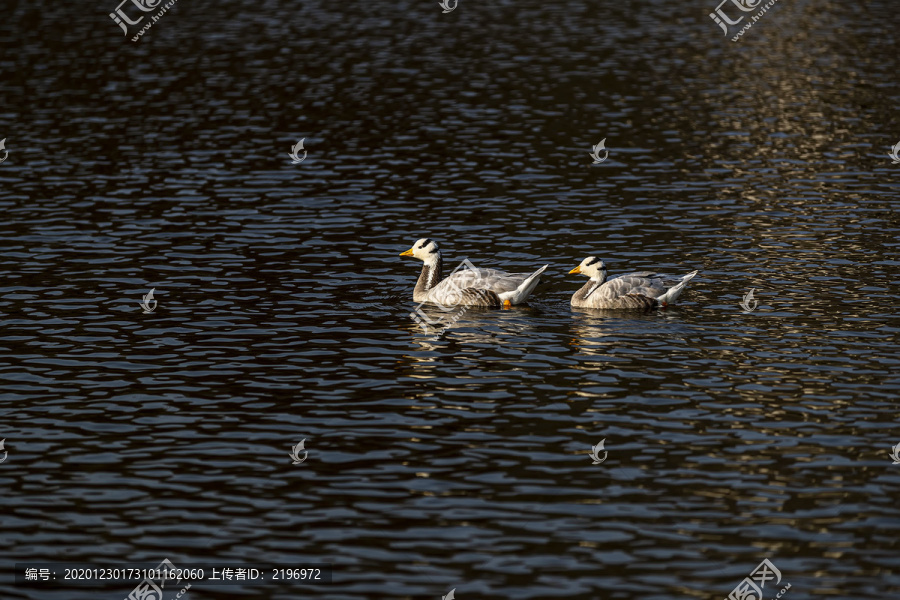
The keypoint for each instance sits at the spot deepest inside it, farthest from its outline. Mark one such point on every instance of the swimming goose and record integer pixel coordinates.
(635, 290)
(467, 284)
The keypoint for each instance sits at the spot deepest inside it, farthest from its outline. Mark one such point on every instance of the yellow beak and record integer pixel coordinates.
(407, 253)
(575, 271)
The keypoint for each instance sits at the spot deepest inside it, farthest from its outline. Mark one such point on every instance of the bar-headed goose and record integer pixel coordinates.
(634, 290)
(467, 284)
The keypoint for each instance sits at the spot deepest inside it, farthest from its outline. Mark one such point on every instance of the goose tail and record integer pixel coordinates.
(674, 292)
(521, 293)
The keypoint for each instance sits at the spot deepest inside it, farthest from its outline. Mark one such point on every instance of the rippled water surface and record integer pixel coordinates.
(284, 310)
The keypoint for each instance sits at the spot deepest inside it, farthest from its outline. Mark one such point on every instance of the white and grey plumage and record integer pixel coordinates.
(644, 289)
(467, 285)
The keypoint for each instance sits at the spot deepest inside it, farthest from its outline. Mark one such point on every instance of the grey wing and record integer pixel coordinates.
(645, 286)
(477, 297)
(645, 274)
(461, 289)
(650, 283)
(627, 285)
(612, 289)
(485, 279)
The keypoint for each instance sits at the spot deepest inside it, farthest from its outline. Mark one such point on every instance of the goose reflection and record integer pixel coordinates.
(595, 330)
(466, 323)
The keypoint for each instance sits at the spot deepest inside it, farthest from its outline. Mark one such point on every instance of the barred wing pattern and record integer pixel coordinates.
(635, 290)
(476, 287)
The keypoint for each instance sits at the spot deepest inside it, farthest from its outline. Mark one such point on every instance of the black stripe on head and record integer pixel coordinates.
(425, 243)
(434, 250)
(593, 262)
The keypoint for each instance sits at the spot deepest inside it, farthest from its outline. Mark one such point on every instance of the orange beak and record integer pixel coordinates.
(407, 253)
(575, 271)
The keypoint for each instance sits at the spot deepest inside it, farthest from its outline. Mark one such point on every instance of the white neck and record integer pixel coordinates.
(431, 274)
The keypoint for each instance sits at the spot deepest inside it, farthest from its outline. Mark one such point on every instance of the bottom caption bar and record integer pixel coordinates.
(151, 579)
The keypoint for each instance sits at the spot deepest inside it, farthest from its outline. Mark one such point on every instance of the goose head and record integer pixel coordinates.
(425, 250)
(593, 267)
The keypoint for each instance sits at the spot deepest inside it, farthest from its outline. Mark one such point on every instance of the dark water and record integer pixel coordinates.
(284, 311)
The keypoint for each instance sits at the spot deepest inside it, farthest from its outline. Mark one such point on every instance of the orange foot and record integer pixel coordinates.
(507, 304)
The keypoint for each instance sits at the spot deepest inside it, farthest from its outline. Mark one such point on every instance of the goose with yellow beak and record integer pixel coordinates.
(467, 284)
(642, 290)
